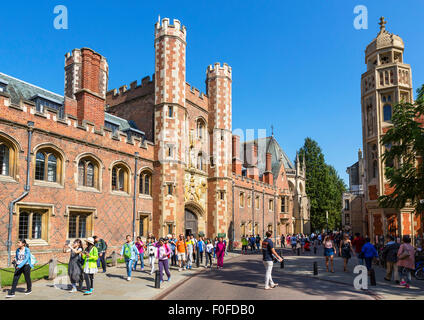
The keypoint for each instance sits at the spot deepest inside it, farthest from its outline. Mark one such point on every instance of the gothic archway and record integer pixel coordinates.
(191, 223)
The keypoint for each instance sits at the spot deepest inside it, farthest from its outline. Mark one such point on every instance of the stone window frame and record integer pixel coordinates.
(241, 199)
(201, 128)
(257, 202)
(46, 210)
(98, 172)
(120, 167)
(50, 149)
(271, 205)
(143, 173)
(91, 212)
(14, 149)
(144, 216)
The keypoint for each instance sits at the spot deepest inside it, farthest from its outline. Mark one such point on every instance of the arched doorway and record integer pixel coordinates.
(190, 223)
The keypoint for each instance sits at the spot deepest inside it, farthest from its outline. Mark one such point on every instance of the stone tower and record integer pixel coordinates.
(170, 76)
(218, 86)
(387, 81)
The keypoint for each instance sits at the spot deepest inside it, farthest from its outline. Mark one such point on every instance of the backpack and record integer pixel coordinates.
(127, 251)
(151, 250)
(33, 260)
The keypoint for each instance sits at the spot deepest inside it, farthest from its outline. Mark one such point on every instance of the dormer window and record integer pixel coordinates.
(112, 126)
(3, 85)
(42, 104)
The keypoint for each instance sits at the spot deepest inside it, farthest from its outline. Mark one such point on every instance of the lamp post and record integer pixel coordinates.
(326, 219)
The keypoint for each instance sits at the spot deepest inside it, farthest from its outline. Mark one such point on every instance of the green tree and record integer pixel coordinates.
(404, 145)
(323, 187)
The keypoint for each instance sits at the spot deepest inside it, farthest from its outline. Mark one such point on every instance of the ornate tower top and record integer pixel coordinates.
(384, 40)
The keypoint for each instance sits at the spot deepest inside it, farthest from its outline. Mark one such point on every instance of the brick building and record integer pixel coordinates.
(156, 157)
(387, 81)
(353, 213)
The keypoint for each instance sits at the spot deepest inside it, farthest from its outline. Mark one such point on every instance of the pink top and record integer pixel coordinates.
(407, 262)
(328, 244)
(220, 247)
(140, 246)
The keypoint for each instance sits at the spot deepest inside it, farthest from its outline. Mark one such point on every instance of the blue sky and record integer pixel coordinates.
(296, 64)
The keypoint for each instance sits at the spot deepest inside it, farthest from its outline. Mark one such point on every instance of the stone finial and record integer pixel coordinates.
(382, 24)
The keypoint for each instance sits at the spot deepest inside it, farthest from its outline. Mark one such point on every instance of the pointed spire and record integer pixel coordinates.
(272, 130)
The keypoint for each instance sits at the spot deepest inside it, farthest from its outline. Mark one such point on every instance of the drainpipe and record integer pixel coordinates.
(23, 195)
(233, 231)
(135, 195)
(263, 214)
(253, 210)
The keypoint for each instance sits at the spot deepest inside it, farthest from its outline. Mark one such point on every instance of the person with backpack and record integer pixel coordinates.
(201, 245)
(130, 253)
(90, 256)
(163, 253)
(268, 256)
(23, 262)
(258, 241)
(406, 261)
(101, 246)
(173, 244)
(345, 251)
(140, 248)
(152, 251)
(368, 252)
(390, 256)
(75, 264)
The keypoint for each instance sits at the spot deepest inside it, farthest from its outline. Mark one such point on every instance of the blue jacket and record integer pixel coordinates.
(27, 259)
(369, 250)
(201, 245)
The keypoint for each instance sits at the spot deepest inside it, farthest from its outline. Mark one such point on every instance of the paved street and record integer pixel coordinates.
(109, 286)
(243, 278)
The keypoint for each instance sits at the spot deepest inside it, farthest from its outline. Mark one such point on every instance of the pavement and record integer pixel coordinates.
(242, 278)
(111, 285)
(303, 266)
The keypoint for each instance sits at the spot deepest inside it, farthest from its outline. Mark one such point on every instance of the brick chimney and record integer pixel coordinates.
(268, 177)
(86, 77)
(252, 170)
(237, 163)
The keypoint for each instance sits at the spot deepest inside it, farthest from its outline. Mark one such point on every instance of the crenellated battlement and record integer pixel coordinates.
(76, 55)
(146, 85)
(218, 70)
(68, 126)
(163, 28)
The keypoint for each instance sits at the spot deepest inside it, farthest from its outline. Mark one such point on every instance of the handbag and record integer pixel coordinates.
(405, 254)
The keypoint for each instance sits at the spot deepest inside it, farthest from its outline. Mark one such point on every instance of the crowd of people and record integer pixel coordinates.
(396, 255)
(86, 260)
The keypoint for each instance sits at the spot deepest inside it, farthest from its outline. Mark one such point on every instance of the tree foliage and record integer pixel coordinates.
(323, 187)
(403, 155)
